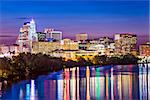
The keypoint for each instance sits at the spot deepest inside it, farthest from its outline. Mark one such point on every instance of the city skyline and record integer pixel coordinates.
(97, 18)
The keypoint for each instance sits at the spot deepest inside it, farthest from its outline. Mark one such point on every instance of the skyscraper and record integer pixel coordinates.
(32, 31)
(27, 35)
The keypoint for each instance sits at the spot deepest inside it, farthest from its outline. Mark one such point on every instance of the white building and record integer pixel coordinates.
(33, 35)
(27, 35)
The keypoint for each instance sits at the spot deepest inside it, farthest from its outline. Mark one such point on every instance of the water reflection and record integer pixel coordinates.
(125, 82)
(144, 81)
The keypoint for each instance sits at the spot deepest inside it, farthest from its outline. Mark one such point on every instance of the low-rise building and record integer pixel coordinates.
(67, 54)
(45, 47)
(104, 45)
(4, 49)
(84, 45)
(74, 54)
(9, 50)
(68, 44)
(14, 49)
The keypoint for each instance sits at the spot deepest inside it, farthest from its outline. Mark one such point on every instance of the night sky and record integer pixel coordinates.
(95, 17)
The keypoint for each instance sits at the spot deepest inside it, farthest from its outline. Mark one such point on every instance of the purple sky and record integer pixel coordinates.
(95, 17)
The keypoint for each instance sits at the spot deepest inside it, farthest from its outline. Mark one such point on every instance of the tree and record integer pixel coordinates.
(100, 60)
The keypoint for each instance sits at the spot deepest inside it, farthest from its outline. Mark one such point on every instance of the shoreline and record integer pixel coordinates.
(29, 66)
(35, 76)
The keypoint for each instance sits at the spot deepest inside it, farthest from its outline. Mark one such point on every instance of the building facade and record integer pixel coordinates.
(68, 44)
(45, 47)
(41, 36)
(125, 44)
(27, 35)
(104, 45)
(75, 54)
(145, 49)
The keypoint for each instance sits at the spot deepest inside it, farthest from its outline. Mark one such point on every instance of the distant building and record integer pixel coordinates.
(45, 47)
(9, 50)
(81, 37)
(68, 44)
(125, 44)
(111, 49)
(27, 35)
(75, 54)
(86, 54)
(14, 49)
(83, 45)
(145, 49)
(104, 45)
(51, 33)
(33, 35)
(67, 54)
(4, 49)
(41, 36)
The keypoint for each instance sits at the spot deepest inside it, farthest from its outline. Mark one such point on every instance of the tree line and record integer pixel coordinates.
(27, 65)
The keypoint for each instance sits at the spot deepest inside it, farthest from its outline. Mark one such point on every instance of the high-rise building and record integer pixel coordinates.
(145, 49)
(32, 31)
(27, 35)
(51, 33)
(125, 43)
(81, 37)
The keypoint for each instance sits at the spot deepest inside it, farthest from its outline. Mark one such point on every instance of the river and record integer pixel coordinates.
(120, 82)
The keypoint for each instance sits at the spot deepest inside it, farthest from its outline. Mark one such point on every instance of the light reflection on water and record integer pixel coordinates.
(121, 82)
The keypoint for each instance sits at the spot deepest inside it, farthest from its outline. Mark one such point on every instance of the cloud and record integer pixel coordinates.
(7, 36)
(23, 18)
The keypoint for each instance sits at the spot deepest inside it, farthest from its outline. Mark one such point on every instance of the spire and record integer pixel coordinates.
(32, 21)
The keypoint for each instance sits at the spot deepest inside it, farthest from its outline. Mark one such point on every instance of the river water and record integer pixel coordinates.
(120, 82)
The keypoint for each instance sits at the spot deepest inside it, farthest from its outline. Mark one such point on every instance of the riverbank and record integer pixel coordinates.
(29, 66)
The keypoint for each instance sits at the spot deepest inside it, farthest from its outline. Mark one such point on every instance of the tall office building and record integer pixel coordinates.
(51, 33)
(81, 37)
(27, 35)
(32, 31)
(125, 43)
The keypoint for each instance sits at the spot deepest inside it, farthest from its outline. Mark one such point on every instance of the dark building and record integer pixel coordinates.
(41, 36)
